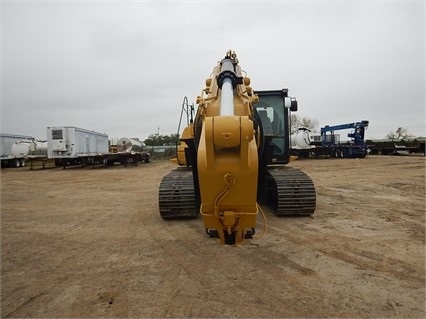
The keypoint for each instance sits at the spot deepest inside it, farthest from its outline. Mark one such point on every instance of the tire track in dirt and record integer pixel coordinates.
(214, 275)
(135, 230)
(362, 259)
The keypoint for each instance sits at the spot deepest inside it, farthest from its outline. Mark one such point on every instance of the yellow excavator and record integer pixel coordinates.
(232, 157)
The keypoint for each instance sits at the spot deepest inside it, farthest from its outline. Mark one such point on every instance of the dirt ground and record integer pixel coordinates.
(90, 243)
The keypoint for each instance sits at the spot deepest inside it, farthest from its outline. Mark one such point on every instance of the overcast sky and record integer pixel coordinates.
(123, 68)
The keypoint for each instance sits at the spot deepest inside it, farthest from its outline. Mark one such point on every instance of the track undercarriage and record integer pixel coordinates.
(176, 196)
(290, 192)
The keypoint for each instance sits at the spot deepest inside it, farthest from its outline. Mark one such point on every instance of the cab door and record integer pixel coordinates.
(273, 112)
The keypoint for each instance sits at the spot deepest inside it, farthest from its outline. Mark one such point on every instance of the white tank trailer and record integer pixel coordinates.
(70, 145)
(26, 148)
(128, 150)
(302, 142)
(8, 159)
(304, 139)
(130, 145)
(301, 139)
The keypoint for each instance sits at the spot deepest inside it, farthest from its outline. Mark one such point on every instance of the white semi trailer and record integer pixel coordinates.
(69, 145)
(8, 158)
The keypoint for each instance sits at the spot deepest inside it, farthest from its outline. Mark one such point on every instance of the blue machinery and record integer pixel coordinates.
(331, 145)
(357, 135)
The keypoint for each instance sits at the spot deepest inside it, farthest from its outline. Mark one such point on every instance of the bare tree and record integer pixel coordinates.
(296, 122)
(400, 134)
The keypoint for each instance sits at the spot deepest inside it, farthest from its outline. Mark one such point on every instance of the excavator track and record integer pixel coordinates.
(291, 191)
(176, 196)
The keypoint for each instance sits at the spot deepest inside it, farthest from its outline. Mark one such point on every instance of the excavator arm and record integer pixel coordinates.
(227, 155)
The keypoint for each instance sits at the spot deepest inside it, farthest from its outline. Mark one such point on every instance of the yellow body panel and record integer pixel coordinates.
(180, 159)
(227, 161)
(187, 134)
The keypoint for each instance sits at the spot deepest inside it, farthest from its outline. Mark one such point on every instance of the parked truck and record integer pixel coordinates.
(7, 142)
(328, 143)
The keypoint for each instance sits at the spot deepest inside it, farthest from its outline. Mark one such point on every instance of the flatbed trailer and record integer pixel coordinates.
(337, 151)
(416, 146)
(107, 159)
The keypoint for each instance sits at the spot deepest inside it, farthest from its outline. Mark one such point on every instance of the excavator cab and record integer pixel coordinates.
(272, 115)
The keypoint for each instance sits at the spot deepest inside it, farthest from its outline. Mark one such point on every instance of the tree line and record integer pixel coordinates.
(173, 139)
(295, 122)
(161, 140)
